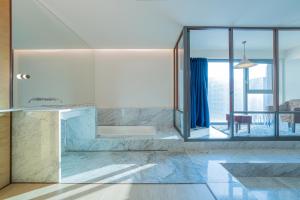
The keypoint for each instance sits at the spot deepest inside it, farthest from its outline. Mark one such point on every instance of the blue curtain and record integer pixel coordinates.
(199, 92)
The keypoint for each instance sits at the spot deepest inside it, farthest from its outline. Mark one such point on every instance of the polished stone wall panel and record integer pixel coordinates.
(35, 142)
(158, 117)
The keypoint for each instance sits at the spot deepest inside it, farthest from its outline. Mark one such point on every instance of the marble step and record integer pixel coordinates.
(133, 144)
(125, 138)
(125, 144)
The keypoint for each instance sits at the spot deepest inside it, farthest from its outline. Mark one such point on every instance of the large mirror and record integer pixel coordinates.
(52, 64)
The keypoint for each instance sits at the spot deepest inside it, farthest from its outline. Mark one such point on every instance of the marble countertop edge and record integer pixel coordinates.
(60, 108)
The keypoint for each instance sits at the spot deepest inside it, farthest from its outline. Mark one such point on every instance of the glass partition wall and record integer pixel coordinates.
(209, 49)
(289, 82)
(253, 86)
(237, 83)
(180, 109)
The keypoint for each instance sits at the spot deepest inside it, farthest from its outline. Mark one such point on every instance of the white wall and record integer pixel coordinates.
(106, 78)
(133, 78)
(67, 75)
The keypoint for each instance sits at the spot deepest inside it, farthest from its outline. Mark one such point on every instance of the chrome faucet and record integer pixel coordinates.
(44, 99)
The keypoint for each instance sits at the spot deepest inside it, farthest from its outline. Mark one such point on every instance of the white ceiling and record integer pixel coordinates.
(109, 24)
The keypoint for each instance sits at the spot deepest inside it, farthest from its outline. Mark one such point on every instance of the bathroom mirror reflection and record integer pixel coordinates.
(55, 59)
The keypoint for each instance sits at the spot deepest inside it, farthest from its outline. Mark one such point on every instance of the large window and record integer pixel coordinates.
(253, 93)
(254, 87)
(218, 87)
(260, 76)
(259, 83)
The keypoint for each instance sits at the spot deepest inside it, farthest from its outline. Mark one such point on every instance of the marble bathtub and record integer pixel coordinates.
(139, 129)
(125, 131)
(157, 117)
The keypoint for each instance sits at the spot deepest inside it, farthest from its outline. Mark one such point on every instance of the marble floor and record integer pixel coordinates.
(242, 187)
(261, 174)
(106, 192)
(208, 133)
(189, 167)
(129, 167)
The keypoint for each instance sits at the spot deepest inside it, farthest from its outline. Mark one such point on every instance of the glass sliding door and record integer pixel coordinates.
(210, 48)
(289, 82)
(253, 85)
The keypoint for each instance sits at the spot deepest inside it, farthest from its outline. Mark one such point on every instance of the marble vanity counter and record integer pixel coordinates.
(9, 110)
(61, 108)
(37, 137)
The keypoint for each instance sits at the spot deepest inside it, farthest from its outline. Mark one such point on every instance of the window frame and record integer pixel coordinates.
(248, 90)
(276, 111)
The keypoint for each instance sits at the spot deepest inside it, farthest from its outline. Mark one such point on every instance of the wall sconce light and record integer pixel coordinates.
(23, 76)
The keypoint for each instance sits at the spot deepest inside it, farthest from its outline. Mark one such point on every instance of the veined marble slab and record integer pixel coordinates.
(227, 187)
(263, 169)
(171, 141)
(158, 117)
(121, 131)
(129, 167)
(186, 167)
(36, 147)
(38, 138)
(80, 129)
(162, 140)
